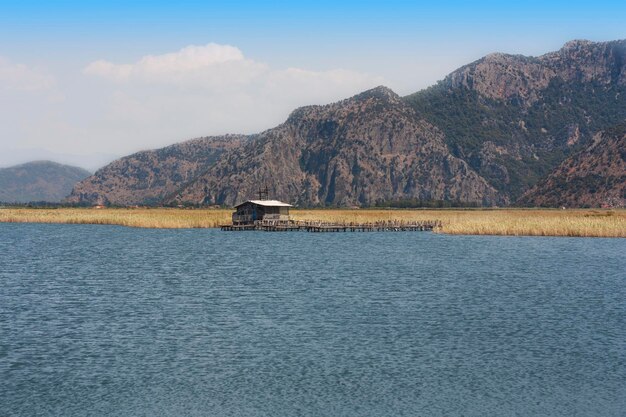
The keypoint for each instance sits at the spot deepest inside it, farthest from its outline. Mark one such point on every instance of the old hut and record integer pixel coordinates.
(252, 210)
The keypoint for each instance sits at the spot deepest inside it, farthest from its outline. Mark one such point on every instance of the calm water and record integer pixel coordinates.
(103, 320)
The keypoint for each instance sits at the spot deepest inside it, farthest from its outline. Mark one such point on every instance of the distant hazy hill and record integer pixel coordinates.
(38, 181)
(486, 134)
(595, 176)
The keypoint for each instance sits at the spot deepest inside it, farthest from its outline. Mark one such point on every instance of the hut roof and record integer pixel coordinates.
(266, 203)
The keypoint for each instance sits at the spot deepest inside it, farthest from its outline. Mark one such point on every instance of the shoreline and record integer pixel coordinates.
(472, 221)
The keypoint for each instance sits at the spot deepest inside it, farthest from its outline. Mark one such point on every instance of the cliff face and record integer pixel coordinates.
(594, 177)
(503, 77)
(515, 118)
(523, 79)
(38, 181)
(366, 149)
(603, 63)
(148, 177)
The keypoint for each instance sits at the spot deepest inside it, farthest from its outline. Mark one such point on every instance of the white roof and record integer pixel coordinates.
(266, 203)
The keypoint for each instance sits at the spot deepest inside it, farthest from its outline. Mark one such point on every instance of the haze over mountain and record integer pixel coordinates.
(485, 134)
(38, 181)
(90, 161)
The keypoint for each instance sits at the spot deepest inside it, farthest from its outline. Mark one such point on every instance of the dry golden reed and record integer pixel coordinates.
(164, 218)
(517, 222)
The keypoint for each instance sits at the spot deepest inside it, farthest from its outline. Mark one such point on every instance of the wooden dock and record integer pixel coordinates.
(318, 227)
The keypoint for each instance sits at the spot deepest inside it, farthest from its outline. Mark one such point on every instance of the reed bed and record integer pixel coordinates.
(511, 222)
(516, 222)
(156, 218)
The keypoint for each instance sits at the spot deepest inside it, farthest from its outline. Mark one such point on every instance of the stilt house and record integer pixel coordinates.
(252, 210)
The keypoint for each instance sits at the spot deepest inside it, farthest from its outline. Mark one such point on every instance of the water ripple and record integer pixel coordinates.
(104, 320)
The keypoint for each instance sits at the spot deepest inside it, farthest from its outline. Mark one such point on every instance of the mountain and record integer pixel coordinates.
(38, 181)
(147, 177)
(513, 118)
(485, 134)
(359, 151)
(593, 177)
(91, 161)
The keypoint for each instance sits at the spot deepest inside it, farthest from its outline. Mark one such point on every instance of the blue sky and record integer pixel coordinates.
(286, 53)
(281, 30)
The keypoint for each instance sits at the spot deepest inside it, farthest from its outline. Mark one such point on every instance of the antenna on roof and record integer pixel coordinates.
(264, 193)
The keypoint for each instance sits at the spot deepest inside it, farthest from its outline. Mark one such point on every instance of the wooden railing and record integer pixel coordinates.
(280, 217)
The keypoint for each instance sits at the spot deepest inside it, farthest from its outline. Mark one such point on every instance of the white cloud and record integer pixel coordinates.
(222, 67)
(211, 89)
(207, 65)
(19, 77)
(118, 108)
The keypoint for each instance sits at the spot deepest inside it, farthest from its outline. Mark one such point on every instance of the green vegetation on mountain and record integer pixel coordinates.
(514, 129)
(593, 177)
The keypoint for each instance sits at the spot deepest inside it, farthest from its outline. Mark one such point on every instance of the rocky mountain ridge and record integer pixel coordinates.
(521, 79)
(147, 177)
(485, 134)
(515, 118)
(369, 148)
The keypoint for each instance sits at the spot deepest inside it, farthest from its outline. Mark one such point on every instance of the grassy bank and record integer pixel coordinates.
(588, 223)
